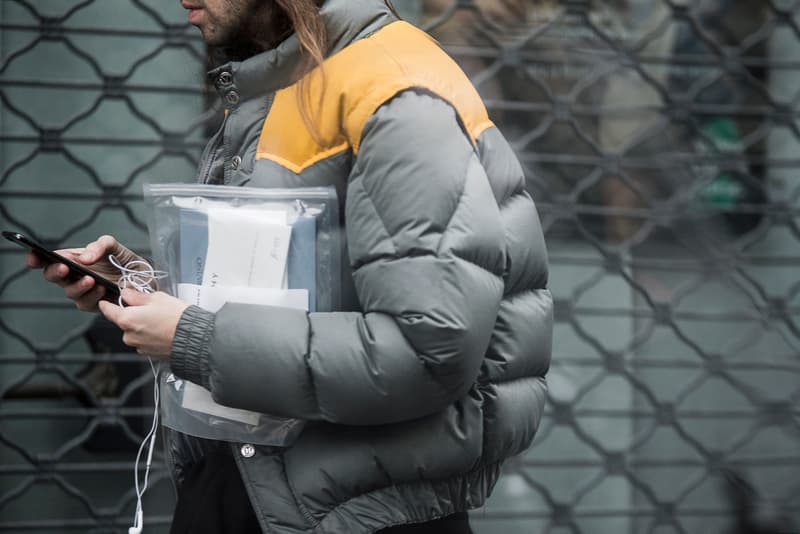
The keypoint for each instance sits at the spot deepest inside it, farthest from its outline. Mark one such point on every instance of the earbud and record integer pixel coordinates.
(137, 525)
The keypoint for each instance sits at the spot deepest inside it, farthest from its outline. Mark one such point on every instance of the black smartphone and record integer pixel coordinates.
(76, 270)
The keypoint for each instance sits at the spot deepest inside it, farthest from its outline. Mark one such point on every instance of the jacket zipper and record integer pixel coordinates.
(212, 151)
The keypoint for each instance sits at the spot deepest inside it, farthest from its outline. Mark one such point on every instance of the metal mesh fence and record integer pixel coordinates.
(659, 140)
(95, 98)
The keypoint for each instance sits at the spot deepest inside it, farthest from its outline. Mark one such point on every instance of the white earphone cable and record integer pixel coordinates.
(136, 274)
(140, 275)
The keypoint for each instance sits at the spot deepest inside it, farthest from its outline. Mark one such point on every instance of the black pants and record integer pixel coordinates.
(453, 524)
(213, 500)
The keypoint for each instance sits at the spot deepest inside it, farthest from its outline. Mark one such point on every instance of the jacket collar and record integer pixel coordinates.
(345, 21)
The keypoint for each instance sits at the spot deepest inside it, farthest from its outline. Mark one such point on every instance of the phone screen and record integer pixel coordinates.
(76, 270)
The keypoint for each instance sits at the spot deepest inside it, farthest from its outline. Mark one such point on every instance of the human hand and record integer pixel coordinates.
(85, 292)
(148, 321)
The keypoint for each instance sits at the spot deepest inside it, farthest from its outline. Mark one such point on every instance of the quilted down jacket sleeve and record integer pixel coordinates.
(427, 249)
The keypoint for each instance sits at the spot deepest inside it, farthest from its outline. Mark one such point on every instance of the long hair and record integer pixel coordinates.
(303, 18)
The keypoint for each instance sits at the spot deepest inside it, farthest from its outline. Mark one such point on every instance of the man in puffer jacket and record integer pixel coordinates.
(432, 373)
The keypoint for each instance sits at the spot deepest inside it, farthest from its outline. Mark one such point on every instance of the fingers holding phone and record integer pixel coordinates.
(83, 290)
(86, 274)
(95, 255)
(55, 272)
(86, 293)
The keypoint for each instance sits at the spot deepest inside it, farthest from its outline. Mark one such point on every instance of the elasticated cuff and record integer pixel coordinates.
(189, 357)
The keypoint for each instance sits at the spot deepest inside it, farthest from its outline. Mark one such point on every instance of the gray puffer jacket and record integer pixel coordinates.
(433, 372)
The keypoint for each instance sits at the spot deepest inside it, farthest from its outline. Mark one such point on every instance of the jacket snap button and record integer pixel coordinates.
(225, 78)
(232, 98)
(248, 451)
(236, 161)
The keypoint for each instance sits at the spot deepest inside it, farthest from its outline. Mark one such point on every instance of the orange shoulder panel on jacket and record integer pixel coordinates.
(352, 85)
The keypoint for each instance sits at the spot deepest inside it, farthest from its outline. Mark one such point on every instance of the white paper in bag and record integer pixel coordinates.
(246, 248)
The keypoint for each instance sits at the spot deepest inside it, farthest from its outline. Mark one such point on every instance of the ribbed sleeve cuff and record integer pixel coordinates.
(189, 358)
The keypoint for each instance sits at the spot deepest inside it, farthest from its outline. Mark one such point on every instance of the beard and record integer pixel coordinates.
(249, 28)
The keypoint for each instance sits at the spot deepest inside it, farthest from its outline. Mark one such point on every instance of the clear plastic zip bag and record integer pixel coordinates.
(218, 244)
